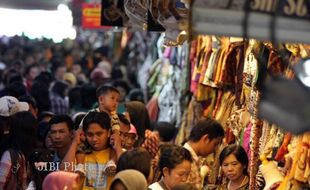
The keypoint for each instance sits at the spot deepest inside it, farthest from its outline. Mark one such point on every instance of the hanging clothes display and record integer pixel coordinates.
(224, 78)
(218, 77)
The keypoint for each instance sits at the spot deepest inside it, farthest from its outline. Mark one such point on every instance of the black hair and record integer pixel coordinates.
(137, 159)
(18, 62)
(16, 89)
(88, 96)
(5, 123)
(135, 95)
(123, 84)
(29, 99)
(43, 128)
(117, 73)
(62, 119)
(23, 132)
(208, 127)
(103, 51)
(15, 78)
(75, 97)
(140, 118)
(45, 114)
(29, 67)
(166, 130)
(40, 92)
(104, 89)
(59, 88)
(115, 182)
(57, 63)
(101, 118)
(45, 77)
(38, 175)
(78, 119)
(173, 155)
(123, 119)
(240, 154)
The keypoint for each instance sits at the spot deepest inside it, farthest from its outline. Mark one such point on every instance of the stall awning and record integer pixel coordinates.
(227, 17)
(32, 4)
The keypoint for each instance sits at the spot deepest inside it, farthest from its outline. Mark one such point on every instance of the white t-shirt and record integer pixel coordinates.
(31, 186)
(155, 186)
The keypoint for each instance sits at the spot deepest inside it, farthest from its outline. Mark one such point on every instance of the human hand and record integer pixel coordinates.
(79, 136)
(115, 141)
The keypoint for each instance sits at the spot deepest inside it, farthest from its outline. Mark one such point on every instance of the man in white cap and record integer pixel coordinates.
(9, 105)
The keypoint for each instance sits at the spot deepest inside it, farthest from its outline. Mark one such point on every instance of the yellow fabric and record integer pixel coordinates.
(302, 164)
(94, 166)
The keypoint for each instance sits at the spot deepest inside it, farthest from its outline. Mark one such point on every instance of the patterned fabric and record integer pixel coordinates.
(194, 176)
(224, 186)
(59, 105)
(6, 168)
(115, 123)
(151, 143)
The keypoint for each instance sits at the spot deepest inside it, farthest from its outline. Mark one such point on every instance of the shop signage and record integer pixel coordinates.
(91, 16)
(227, 17)
(289, 8)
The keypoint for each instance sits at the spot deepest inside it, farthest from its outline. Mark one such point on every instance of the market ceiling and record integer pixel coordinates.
(32, 4)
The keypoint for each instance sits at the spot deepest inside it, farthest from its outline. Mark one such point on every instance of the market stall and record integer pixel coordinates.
(212, 60)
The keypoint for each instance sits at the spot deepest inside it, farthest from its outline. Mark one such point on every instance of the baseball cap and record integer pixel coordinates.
(9, 105)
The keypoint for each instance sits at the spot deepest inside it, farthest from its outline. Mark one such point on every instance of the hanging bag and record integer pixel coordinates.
(14, 179)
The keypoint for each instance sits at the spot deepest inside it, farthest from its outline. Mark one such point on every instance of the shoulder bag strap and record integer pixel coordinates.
(15, 160)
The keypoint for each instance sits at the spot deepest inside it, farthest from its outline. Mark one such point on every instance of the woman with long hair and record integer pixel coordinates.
(13, 165)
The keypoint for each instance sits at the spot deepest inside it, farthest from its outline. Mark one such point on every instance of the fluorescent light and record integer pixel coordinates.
(56, 25)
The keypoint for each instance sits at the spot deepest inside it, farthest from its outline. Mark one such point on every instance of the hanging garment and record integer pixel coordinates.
(136, 10)
(113, 14)
(152, 108)
(302, 172)
(284, 147)
(237, 121)
(225, 109)
(172, 19)
(271, 139)
(250, 67)
(169, 103)
(277, 143)
(184, 130)
(264, 139)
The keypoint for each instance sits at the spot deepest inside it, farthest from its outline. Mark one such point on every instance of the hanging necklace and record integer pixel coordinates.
(242, 183)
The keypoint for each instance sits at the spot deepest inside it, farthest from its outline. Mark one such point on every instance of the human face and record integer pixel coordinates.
(177, 175)
(60, 135)
(118, 185)
(97, 137)
(123, 132)
(109, 101)
(208, 146)
(76, 69)
(232, 168)
(34, 72)
(60, 72)
(130, 140)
